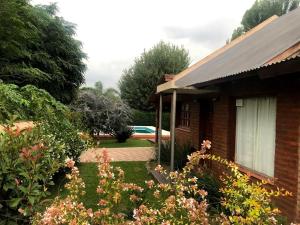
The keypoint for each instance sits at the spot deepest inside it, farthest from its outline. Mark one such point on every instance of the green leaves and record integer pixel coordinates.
(139, 82)
(37, 47)
(14, 202)
(26, 166)
(262, 10)
(29, 158)
(29, 103)
(102, 113)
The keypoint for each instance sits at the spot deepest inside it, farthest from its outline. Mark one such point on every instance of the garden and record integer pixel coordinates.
(48, 120)
(43, 182)
(36, 159)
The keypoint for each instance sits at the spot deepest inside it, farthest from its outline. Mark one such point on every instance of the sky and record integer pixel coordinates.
(115, 32)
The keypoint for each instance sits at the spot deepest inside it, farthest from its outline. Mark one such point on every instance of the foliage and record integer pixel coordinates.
(98, 89)
(74, 142)
(180, 153)
(179, 202)
(37, 47)
(143, 118)
(135, 172)
(208, 182)
(123, 134)
(139, 82)
(92, 109)
(102, 114)
(29, 158)
(246, 202)
(31, 103)
(237, 32)
(262, 10)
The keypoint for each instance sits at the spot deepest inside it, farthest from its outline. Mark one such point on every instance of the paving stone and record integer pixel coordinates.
(120, 154)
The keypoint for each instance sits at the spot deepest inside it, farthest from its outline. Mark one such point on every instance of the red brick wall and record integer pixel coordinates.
(221, 126)
(287, 149)
(221, 130)
(287, 168)
(191, 134)
(287, 139)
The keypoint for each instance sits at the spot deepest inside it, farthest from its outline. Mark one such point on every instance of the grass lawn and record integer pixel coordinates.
(112, 143)
(135, 172)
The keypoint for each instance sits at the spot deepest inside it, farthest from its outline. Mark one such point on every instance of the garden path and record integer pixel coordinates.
(120, 154)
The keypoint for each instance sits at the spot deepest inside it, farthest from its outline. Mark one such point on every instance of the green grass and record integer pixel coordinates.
(112, 143)
(135, 172)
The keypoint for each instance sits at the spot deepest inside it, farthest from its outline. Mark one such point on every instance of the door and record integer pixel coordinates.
(206, 120)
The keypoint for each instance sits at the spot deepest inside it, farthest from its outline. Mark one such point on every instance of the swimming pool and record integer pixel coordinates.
(143, 130)
(148, 132)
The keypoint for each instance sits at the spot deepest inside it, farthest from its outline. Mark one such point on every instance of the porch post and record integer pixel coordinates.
(159, 127)
(173, 119)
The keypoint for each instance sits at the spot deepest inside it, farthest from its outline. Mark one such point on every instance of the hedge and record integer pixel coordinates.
(142, 118)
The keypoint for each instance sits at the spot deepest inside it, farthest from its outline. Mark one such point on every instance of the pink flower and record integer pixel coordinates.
(150, 183)
(206, 144)
(90, 212)
(20, 210)
(102, 202)
(69, 163)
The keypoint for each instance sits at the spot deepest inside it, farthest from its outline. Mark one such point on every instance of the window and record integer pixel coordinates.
(185, 115)
(255, 134)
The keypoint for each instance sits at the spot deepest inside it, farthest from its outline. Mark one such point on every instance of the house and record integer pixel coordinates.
(245, 98)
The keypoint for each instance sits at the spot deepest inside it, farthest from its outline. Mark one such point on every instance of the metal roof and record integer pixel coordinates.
(251, 53)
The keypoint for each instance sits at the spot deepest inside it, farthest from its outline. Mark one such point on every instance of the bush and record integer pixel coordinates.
(29, 158)
(180, 153)
(103, 114)
(142, 118)
(181, 201)
(66, 133)
(123, 134)
(31, 103)
(208, 182)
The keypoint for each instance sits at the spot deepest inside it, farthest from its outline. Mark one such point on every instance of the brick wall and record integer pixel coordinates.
(287, 150)
(221, 130)
(191, 134)
(287, 137)
(287, 168)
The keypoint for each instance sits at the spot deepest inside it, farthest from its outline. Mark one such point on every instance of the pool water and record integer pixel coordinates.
(143, 130)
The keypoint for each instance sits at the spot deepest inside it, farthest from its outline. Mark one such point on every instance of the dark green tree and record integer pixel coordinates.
(37, 47)
(139, 82)
(262, 10)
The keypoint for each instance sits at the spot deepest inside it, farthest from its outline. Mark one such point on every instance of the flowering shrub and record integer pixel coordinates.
(180, 201)
(33, 104)
(28, 158)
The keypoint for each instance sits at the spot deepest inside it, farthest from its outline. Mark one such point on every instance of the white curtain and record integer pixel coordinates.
(255, 134)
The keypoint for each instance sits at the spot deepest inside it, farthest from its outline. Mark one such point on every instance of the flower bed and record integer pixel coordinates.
(182, 201)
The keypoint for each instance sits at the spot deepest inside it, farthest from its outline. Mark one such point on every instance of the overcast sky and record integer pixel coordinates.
(114, 32)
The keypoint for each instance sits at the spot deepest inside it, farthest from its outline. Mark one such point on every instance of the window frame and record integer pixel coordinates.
(185, 116)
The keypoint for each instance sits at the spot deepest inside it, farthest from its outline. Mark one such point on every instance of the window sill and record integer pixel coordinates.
(186, 129)
(256, 175)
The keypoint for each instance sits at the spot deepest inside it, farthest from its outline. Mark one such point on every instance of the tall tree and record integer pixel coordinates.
(37, 47)
(262, 10)
(139, 82)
